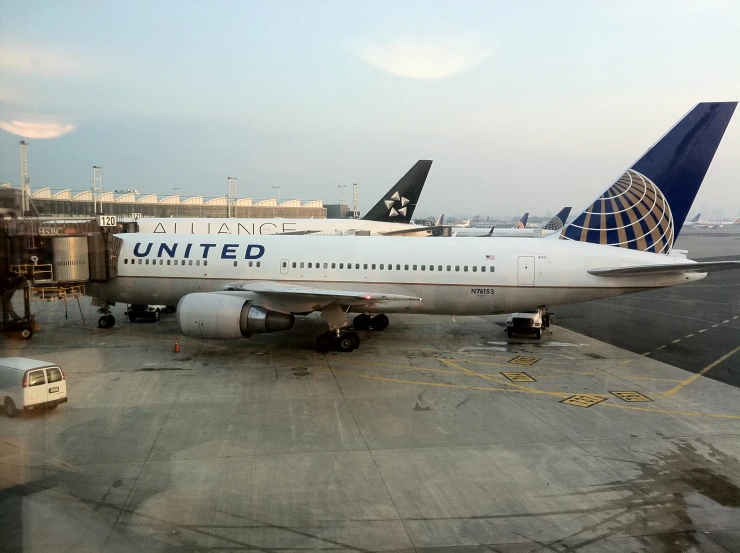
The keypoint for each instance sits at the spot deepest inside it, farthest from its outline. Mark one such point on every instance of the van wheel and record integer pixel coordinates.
(52, 406)
(510, 332)
(10, 409)
(538, 334)
(157, 315)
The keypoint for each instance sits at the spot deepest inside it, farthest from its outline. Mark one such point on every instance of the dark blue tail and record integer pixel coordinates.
(522, 223)
(558, 222)
(646, 207)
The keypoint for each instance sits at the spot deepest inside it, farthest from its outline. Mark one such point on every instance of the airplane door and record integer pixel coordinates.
(525, 273)
(283, 266)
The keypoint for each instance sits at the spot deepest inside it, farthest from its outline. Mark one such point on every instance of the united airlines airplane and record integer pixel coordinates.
(520, 230)
(392, 215)
(228, 287)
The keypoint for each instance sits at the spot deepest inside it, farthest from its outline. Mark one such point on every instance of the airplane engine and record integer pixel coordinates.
(225, 317)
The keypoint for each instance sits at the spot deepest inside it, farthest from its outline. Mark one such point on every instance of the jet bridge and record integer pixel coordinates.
(49, 260)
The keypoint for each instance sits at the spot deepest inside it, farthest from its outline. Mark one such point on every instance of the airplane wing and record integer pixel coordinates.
(428, 230)
(297, 232)
(641, 270)
(285, 292)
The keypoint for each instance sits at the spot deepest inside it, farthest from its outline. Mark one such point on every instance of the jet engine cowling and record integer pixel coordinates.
(225, 317)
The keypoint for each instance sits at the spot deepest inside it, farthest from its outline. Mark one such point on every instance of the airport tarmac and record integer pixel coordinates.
(688, 326)
(434, 436)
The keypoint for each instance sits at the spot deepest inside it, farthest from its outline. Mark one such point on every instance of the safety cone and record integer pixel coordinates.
(177, 346)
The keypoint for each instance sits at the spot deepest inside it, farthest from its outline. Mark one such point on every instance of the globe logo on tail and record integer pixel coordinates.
(632, 213)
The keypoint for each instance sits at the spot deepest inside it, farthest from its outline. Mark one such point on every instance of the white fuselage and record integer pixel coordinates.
(276, 225)
(501, 232)
(451, 275)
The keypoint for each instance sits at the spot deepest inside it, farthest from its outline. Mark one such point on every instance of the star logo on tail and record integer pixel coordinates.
(397, 205)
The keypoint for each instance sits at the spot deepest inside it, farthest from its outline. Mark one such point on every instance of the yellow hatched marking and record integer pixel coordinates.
(631, 397)
(584, 400)
(524, 360)
(701, 372)
(518, 377)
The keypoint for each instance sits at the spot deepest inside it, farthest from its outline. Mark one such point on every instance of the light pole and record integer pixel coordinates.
(277, 187)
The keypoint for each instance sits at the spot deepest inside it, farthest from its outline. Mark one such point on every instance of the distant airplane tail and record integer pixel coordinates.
(522, 223)
(647, 206)
(736, 221)
(398, 205)
(695, 219)
(558, 222)
(440, 221)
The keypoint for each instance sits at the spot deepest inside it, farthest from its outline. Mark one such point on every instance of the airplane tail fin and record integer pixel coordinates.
(522, 223)
(398, 204)
(558, 222)
(440, 221)
(696, 218)
(647, 206)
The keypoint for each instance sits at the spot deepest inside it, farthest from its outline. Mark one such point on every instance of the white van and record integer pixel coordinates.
(30, 383)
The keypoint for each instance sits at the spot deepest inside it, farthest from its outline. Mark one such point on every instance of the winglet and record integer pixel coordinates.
(398, 205)
(646, 207)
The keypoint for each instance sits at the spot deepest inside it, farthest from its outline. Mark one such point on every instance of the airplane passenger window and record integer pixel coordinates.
(373, 266)
(341, 265)
(301, 265)
(333, 265)
(431, 267)
(475, 268)
(161, 261)
(465, 269)
(382, 266)
(483, 269)
(405, 267)
(492, 269)
(169, 262)
(357, 265)
(309, 265)
(449, 267)
(414, 267)
(349, 265)
(258, 264)
(251, 263)
(235, 262)
(398, 267)
(294, 264)
(175, 261)
(147, 262)
(125, 261)
(205, 263)
(457, 268)
(326, 265)
(423, 267)
(364, 266)
(390, 266)
(439, 268)
(190, 262)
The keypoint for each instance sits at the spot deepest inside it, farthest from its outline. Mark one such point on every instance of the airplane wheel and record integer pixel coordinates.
(325, 342)
(344, 343)
(104, 322)
(380, 322)
(361, 322)
(355, 339)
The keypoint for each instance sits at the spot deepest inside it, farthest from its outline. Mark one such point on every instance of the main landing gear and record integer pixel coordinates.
(337, 340)
(365, 322)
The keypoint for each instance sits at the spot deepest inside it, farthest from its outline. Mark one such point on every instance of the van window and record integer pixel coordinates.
(54, 374)
(36, 378)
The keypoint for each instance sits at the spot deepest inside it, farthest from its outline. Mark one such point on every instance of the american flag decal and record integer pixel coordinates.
(490, 258)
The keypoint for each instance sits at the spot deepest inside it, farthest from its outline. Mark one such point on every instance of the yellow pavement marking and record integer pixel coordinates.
(646, 353)
(702, 330)
(585, 400)
(688, 336)
(524, 360)
(726, 321)
(649, 378)
(661, 347)
(701, 372)
(715, 326)
(631, 396)
(669, 412)
(499, 380)
(518, 377)
(676, 341)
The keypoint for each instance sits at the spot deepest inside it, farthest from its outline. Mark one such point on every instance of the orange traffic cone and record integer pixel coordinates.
(177, 346)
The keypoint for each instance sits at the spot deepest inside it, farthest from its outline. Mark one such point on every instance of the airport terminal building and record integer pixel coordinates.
(65, 203)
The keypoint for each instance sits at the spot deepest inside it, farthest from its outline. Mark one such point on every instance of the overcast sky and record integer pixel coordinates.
(521, 105)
